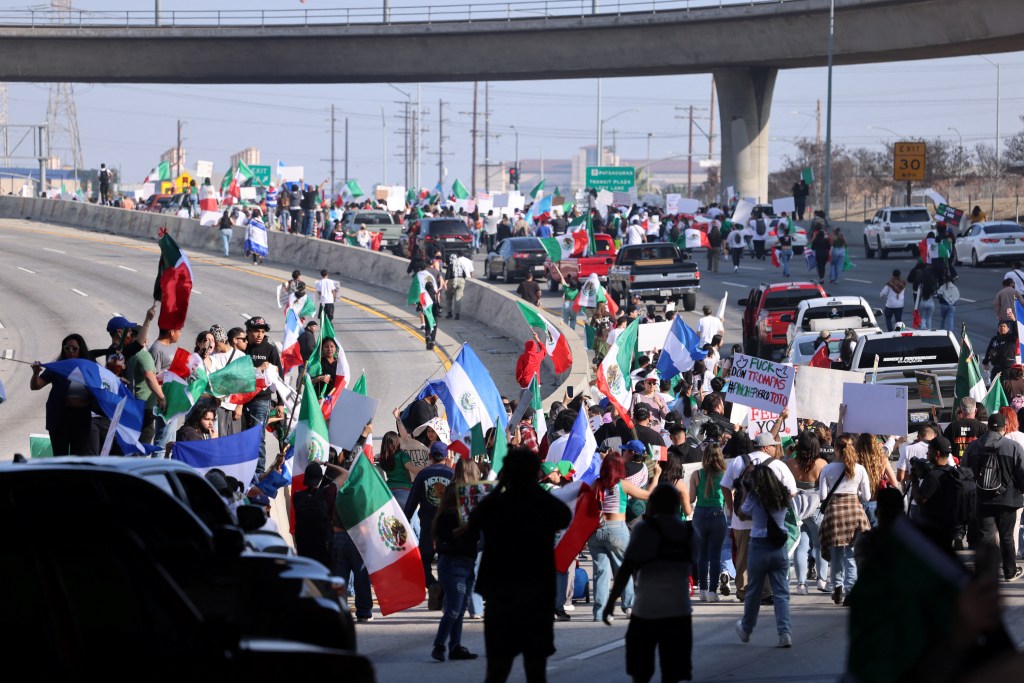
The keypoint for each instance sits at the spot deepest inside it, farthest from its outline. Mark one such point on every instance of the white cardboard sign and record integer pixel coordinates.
(350, 415)
(787, 204)
(819, 391)
(875, 409)
(758, 420)
(291, 174)
(688, 205)
(742, 213)
(672, 203)
(760, 383)
(204, 169)
(652, 336)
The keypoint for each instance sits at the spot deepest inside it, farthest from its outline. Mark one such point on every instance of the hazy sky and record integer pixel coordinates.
(128, 126)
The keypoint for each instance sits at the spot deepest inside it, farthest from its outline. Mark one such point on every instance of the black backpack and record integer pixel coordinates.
(314, 533)
(991, 482)
(760, 227)
(742, 486)
(104, 176)
(966, 502)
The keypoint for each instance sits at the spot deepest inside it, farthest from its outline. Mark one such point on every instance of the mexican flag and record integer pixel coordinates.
(173, 285)
(565, 245)
(585, 504)
(290, 355)
(241, 175)
(996, 397)
(237, 377)
(354, 189)
(540, 425)
(310, 434)
(304, 308)
(591, 240)
(459, 190)
(591, 294)
(555, 344)
(360, 388)
(695, 239)
(378, 527)
(613, 373)
(539, 187)
(160, 172)
(184, 381)
(207, 198)
(418, 295)
(969, 381)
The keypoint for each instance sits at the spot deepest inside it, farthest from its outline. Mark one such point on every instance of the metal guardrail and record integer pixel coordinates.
(384, 15)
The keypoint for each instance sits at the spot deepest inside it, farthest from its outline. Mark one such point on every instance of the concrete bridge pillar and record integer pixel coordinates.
(745, 102)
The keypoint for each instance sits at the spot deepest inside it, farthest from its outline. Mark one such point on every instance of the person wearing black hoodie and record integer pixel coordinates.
(1001, 353)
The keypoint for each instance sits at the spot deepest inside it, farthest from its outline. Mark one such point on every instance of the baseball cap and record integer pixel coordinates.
(257, 323)
(941, 443)
(438, 450)
(652, 376)
(766, 439)
(634, 445)
(118, 323)
(996, 421)
(259, 499)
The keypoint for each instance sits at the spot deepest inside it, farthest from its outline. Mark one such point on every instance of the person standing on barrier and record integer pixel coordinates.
(459, 270)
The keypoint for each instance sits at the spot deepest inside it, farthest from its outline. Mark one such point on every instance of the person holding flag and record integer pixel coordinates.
(1001, 353)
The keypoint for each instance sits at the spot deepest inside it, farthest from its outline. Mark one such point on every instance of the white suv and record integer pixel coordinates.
(896, 227)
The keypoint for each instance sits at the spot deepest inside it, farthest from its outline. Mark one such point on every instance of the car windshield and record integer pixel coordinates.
(526, 243)
(652, 253)
(788, 299)
(909, 350)
(910, 216)
(1003, 229)
(449, 227)
(835, 312)
(373, 219)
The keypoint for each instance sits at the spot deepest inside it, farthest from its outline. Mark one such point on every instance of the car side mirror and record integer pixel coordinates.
(251, 517)
(741, 302)
(786, 318)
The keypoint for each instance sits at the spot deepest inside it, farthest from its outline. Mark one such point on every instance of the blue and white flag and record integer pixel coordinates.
(108, 391)
(469, 395)
(580, 448)
(680, 350)
(256, 237)
(539, 208)
(234, 455)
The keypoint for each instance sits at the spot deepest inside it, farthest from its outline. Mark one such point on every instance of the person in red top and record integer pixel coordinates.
(527, 434)
(528, 364)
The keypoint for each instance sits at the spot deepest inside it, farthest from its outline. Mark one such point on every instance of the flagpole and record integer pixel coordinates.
(424, 382)
(298, 403)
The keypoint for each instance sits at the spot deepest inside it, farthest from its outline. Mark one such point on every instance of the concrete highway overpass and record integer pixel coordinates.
(744, 46)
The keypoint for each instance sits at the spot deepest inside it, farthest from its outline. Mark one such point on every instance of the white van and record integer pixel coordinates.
(896, 227)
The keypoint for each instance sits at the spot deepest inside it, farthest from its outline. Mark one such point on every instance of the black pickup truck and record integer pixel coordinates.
(657, 271)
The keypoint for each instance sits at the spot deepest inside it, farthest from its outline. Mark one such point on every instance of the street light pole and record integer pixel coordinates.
(959, 153)
(995, 186)
(828, 115)
(647, 185)
(600, 127)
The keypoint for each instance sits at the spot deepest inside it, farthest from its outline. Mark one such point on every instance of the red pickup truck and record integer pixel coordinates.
(582, 266)
(764, 332)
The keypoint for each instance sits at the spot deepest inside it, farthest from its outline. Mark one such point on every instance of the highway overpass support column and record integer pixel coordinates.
(745, 103)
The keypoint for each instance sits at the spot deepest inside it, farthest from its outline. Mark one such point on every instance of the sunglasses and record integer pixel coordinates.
(242, 339)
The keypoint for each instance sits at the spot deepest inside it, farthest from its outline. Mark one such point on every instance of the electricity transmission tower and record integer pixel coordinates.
(61, 114)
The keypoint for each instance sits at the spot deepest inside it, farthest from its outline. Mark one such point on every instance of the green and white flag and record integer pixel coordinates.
(418, 295)
(310, 433)
(996, 397)
(537, 188)
(613, 378)
(565, 245)
(459, 190)
(354, 189)
(969, 380)
(159, 172)
(184, 381)
(237, 377)
(540, 425)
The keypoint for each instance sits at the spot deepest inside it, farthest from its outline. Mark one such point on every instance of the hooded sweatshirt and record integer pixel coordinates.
(893, 291)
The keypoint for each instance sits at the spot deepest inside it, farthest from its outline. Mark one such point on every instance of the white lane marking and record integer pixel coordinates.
(32, 272)
(115, 314)
(55, 251)
(1, 326)
(607, 647)
(733, 284)
(853, 279)
(752, 267)
(246, 316)
(970, 301)
(196, 291)
(127, 268)
(79, 292)
(9, 354)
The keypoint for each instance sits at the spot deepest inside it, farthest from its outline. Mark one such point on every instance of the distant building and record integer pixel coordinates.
(250, 156)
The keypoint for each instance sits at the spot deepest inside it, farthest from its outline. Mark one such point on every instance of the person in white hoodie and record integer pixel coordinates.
(893, 293)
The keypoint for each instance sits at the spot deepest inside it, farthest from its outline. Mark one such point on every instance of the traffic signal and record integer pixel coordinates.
(513, 177)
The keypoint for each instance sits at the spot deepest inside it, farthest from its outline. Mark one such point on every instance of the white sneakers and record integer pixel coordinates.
(801, 589)
(785, 640)
(744, 636)
(712, 597)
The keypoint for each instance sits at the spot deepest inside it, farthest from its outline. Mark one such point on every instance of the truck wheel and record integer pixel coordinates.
(689, 302)
(882, 253)
(491, 277)
(868, 251)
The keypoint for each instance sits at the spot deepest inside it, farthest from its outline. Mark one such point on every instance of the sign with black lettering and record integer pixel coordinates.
(908, 161)
(760, 383)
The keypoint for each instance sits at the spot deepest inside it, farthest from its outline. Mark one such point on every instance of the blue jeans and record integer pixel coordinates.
(568, 315)
(808, 541)
(427, 550)
(225, 237)
(607, 548)
(257, 411)
(926, 308)
(784, 256)
(947, 312)
(456, 577)
(348, 560)
(307, 223)
(836, 263)
(892, 316)
(709, 525)
(401, 496)
(871, 510)
(766, 562)
(476, 601)
(165, 432)
(843, 569)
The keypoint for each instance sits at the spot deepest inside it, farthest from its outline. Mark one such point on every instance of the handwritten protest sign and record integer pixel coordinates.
(875, 408)
(760, 383)
(819, 391)
(758, 420)
(928, 389)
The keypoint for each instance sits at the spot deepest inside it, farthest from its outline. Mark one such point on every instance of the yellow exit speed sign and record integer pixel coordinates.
(908, 161)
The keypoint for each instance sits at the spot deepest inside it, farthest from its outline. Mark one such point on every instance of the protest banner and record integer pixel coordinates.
(351, 413)
(688, 205)
(819, 391)
(652, 336)
(875, 409)
(760, 383)
(672, 203)
(204, 169)
(758, 420)
(741, 214)
(291, 174)
(787, 204)
(928, 389)
(949, 215)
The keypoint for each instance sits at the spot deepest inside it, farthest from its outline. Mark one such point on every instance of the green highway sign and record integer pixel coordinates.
(260, 175)
(611, 178)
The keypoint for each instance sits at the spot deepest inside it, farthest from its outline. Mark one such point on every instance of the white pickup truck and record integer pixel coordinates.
(900, 356)
(830, 313)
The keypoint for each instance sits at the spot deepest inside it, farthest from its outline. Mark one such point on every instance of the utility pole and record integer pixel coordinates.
(332, 150)
(689, 159)
(487, 137)
(440, 142)
(819, 123)
(346, 158)
(473, 132)
(177, 154)
(414, 141)
(384, 148)
(711, 124)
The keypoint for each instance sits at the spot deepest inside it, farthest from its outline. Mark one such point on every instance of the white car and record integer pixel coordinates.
(896, 227)
(802, 348)
(990, 241)
(830, 313)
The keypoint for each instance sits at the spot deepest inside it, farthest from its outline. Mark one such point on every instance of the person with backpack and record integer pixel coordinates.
(844, 488)
(660, 551)
(769, 488)
(998, 466)
(314, 510)
(945, 496)
(735, 487)
(104, 177)
(759, 235)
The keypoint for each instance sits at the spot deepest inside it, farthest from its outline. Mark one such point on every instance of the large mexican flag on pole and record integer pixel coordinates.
(173, 286)
(613, 374)
(378, 527)
(556, 345)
